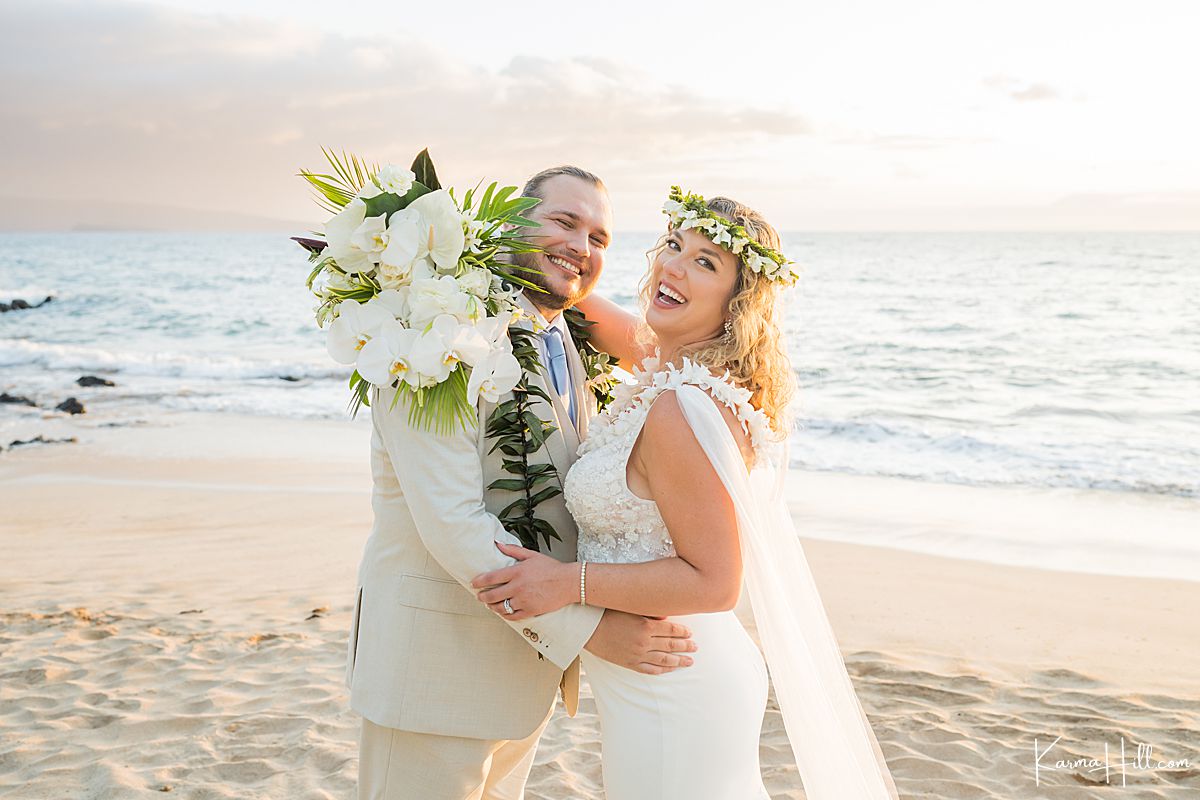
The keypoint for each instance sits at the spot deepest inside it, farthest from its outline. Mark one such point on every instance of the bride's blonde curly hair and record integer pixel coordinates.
(753, 352)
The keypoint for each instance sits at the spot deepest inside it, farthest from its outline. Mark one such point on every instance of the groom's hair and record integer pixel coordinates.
(533, 187)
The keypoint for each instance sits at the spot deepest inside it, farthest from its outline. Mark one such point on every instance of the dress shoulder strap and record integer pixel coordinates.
(633, 400)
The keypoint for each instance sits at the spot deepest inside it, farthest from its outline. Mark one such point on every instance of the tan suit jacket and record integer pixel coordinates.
(424, 654)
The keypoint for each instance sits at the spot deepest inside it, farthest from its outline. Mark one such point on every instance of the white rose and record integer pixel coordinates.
(477, 281)
(430, 297)
(395, 179)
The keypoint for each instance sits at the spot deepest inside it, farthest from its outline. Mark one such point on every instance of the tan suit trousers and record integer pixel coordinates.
(401, 765)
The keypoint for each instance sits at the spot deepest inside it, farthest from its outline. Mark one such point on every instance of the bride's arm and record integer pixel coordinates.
(704, 576)
(615, 331)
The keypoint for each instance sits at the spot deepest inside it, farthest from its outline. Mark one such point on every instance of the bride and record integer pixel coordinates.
(678, 496)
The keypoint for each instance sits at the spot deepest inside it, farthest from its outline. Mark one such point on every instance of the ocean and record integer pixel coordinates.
(1020, 359)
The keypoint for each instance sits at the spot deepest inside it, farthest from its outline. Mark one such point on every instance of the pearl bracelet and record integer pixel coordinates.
(583, 583)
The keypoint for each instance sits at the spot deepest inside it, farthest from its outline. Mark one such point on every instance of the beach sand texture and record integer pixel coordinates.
(175, 596)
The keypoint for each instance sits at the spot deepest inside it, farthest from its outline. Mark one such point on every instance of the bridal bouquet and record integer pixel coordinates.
(415, 286)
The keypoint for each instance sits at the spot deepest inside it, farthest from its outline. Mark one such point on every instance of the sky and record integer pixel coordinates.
(853, 115)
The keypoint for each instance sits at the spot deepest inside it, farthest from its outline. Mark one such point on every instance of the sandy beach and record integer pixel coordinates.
(174, 600)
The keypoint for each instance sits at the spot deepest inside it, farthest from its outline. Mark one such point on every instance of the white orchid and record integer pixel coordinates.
(339, 233)
(387, 356)
(442, 236)
(431, 297)
(494, 330)
(493, 376)
(437, 319)
(356, 325)
(371, 237)
(403, 248)
(445, 345)
(395, 179)
(395, 301)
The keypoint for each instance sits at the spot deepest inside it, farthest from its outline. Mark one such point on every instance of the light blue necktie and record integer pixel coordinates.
(559, 375)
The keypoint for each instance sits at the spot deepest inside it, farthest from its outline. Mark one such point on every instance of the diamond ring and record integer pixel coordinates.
(508, 609)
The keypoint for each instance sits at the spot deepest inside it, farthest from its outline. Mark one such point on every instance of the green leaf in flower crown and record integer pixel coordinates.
(422, 167)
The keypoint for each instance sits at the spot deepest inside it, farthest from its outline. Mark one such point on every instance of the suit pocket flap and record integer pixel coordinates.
(433, 594)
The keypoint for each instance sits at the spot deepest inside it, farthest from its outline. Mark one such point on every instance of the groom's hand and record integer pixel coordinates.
(642, 644)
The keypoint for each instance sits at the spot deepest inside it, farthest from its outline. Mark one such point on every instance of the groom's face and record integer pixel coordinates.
(576, 227)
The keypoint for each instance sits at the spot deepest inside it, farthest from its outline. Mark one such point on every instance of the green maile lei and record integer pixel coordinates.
(516, 430)
(518, 433)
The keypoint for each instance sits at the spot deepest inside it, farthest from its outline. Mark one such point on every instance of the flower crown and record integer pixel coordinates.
(690, 211)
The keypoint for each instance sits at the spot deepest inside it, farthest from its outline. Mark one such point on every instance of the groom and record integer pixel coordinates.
(453, 698)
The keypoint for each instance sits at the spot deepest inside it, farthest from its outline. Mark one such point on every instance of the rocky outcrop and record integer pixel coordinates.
(39, 440)
(71, 406)
(12, 399)
(22, 305)
(93, 380)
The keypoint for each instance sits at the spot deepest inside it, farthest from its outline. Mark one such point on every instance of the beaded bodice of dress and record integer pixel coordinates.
(615, 525)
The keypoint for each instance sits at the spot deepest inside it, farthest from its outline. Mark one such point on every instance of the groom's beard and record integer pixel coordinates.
(556, 296)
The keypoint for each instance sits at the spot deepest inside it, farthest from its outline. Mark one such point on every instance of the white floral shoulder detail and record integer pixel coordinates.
(651, 380)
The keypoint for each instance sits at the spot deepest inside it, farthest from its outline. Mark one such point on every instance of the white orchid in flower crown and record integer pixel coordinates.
(415, 287)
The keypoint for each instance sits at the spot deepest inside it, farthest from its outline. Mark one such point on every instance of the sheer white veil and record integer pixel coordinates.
(835, 748)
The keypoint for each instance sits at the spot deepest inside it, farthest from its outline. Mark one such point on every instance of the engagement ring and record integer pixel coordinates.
(508, 609)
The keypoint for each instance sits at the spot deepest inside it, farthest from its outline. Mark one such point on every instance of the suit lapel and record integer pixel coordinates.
(585, 404)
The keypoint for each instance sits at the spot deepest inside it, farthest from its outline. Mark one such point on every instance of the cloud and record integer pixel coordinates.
(1021, 91)
(136, 103)
(905, 141)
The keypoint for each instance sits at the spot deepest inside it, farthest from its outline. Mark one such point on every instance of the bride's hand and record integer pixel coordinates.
(536, 584)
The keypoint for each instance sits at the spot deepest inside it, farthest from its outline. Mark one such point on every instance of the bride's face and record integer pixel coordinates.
(692, 281)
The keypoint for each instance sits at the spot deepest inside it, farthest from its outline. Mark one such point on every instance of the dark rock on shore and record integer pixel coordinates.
(21, 305)
(5, 397)
(71, 406)
(92, 380)
(39, 440)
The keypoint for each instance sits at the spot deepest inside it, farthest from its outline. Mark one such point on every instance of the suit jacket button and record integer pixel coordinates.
(528, 633)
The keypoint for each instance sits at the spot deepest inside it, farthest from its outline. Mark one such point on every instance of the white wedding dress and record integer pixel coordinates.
(694, 733)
